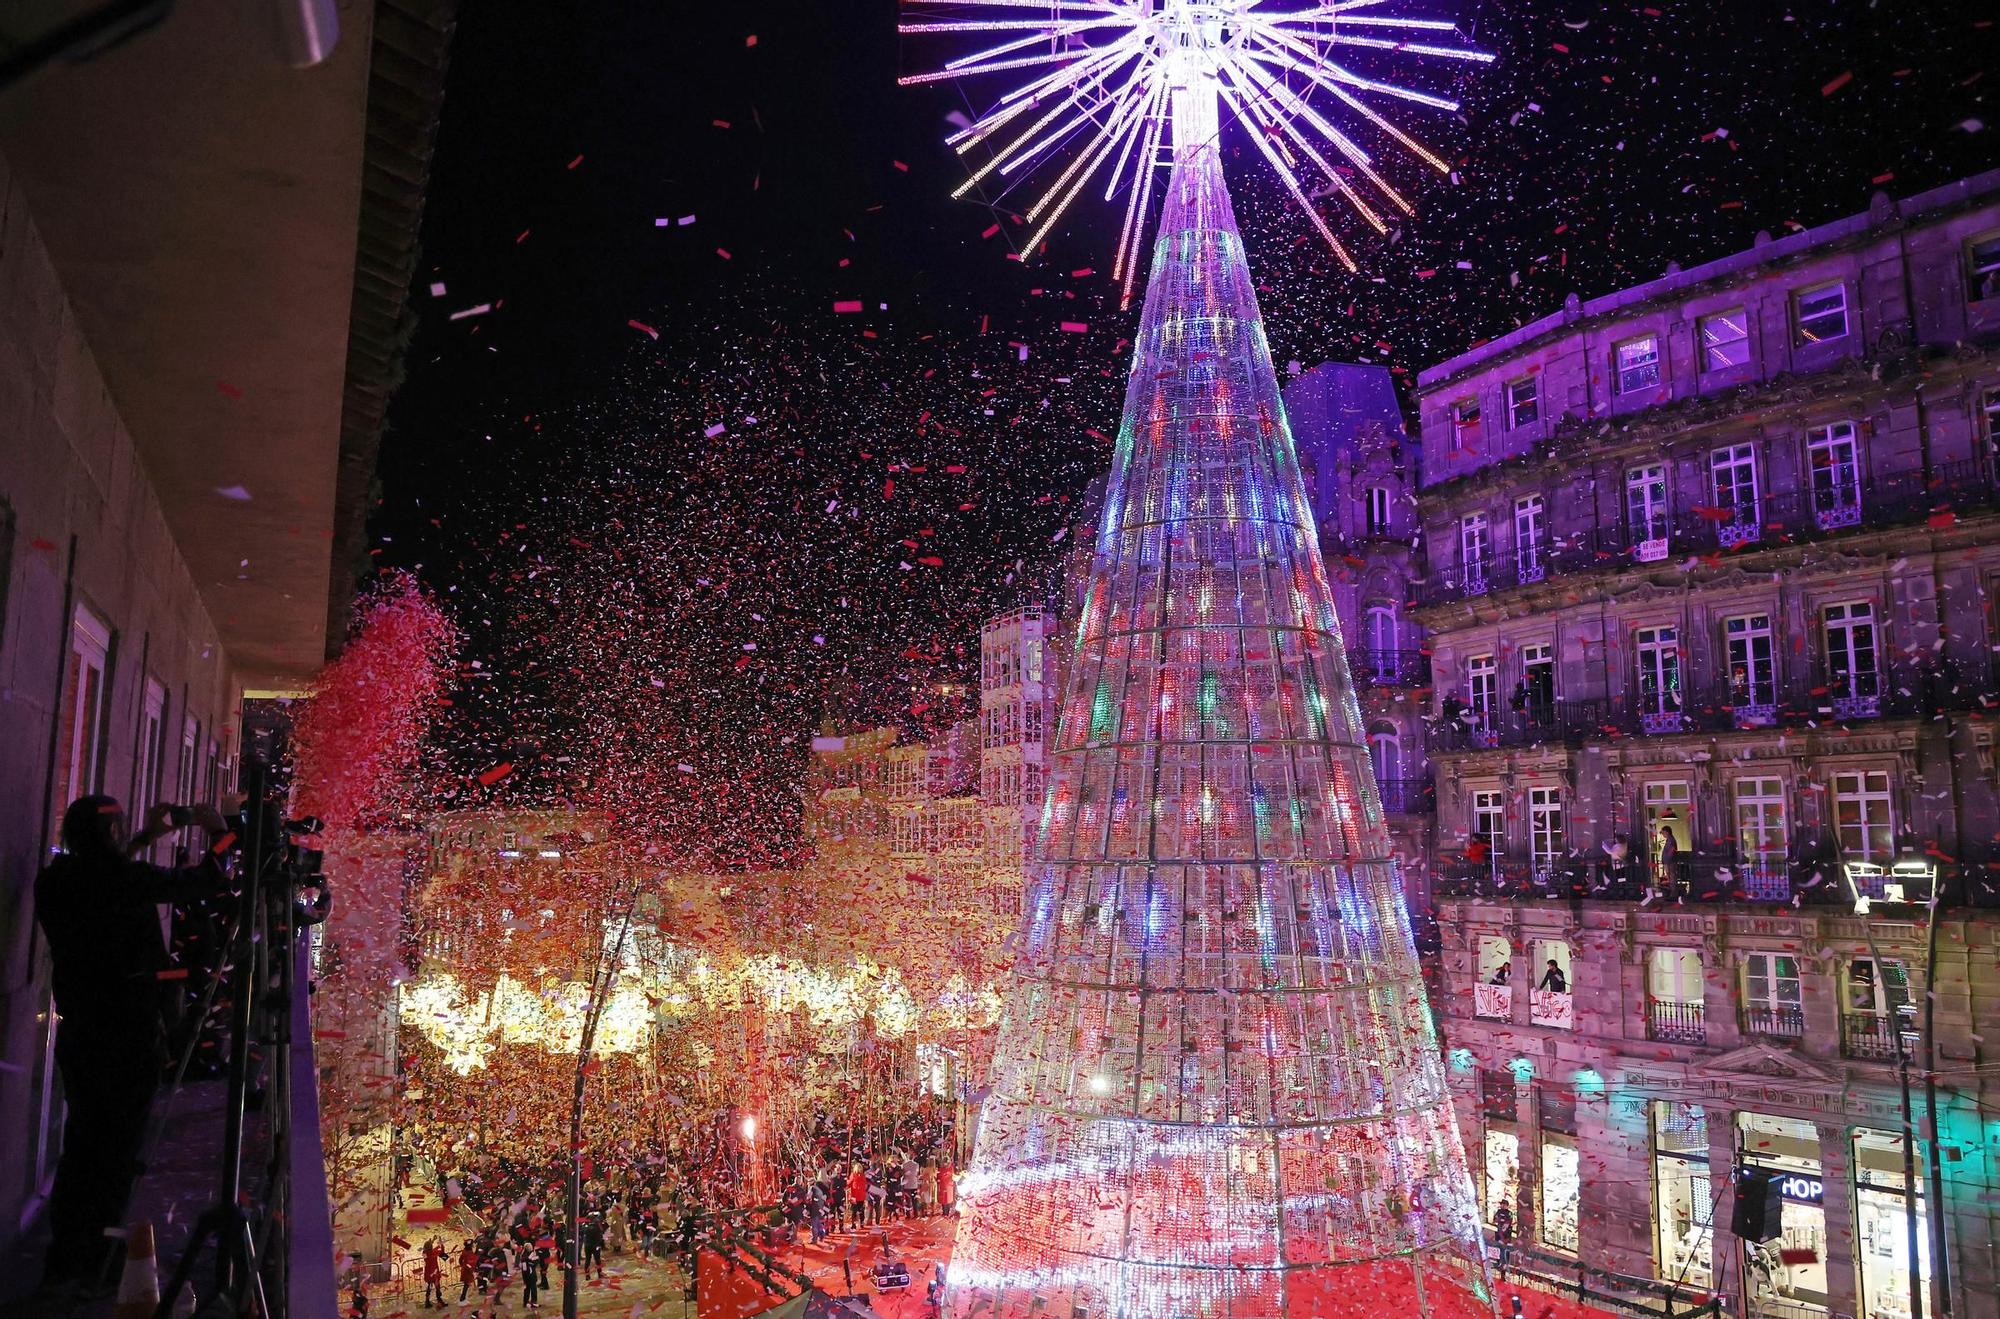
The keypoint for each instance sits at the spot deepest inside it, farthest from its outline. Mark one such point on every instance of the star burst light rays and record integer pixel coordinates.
(1125, 86)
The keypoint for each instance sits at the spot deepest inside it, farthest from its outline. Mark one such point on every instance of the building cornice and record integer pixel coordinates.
(1884, 217)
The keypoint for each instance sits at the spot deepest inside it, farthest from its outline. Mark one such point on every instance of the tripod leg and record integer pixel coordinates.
(253, 1277)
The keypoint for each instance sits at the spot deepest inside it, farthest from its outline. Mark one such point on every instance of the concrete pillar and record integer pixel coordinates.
(1836, 1172)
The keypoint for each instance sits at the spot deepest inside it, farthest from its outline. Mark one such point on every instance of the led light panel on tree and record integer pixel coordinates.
(1218, 1089)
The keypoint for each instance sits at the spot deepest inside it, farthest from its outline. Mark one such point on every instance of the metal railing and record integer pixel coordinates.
(1812, 698)
(1408, 796)
(1781, 1021)
(1374, 667)
(1530, 723)
(1676, 1023)
(1971, 879)
(1871, 1036)
(1880, 499)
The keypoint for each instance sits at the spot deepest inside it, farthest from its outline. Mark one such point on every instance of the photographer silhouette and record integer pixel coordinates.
(98, 906)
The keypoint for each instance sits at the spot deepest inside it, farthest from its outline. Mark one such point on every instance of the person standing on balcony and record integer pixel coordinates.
(1503, 976)
(98, 906)
(1553, 979)
(1667, 856)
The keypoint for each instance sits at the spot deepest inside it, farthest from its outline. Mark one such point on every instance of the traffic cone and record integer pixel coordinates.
(139, 1288)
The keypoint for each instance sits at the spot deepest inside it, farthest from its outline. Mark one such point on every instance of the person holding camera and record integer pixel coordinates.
(98, 906)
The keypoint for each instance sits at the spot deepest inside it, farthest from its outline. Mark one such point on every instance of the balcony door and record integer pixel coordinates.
(1383, 634)
(1659, 654)
(1855, 682)
(1833, 457)
(1529, 530)
(1646, 511)
(1753, 675)
(1473, 551)
(1537, 697)
(1761, 837)
(1773, 995)
(1733, 472)
(1482, 690)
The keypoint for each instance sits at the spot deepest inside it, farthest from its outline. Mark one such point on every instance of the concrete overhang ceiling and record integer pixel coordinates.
(200, 200)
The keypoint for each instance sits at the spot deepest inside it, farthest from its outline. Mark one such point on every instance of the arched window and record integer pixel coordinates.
(1385, 750)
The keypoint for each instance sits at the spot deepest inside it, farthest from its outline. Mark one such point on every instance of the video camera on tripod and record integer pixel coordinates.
(271, 846)
(283, 891)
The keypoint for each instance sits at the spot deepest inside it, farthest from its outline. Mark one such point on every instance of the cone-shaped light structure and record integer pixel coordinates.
(1218, 1089)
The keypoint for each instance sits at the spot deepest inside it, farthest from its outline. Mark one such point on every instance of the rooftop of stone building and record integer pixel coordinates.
(1577, 314)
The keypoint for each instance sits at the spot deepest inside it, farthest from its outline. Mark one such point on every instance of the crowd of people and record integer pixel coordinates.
(706, 1186)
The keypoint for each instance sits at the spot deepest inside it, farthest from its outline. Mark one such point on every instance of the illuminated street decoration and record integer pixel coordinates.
(1218, 1089)
(1104, 82)
(466, 1024)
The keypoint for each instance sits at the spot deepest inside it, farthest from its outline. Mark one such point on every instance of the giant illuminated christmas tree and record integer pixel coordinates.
(1217, 1090)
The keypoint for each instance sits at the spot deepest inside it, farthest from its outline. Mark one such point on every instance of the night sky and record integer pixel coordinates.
(660, 612)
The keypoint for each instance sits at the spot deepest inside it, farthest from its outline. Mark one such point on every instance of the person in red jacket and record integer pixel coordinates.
(857, 1193)
(433, 1272)
(468, 1270)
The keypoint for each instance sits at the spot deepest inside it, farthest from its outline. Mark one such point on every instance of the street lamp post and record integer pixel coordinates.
(1934, 1170)
(601, 979)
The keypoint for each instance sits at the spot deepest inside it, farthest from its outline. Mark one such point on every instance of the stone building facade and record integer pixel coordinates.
(1706, 576)
(1607, 1115)
(962, 809)
(1361, 470)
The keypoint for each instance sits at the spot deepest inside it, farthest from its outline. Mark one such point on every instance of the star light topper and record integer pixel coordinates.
(1131, 84)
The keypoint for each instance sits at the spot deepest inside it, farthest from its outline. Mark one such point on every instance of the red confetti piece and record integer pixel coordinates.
(498, 772)
(644, 328)
(1838, 83)
(845, 306)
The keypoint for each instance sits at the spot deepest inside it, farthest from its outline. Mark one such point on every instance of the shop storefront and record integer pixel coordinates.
(1561, 1168)
(1882, 1212)
(1501, 1182)
(1684, 1197)
(1787, 1275)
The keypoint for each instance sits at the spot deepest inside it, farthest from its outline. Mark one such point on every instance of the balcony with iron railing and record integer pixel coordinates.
(1810, 699)
(1408, 796)
(1783, 1021)
(1871, 1036)
(1376, 667)
(1966, 880)
(1879, 500)
(1528, 723)
(1675, 1022)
